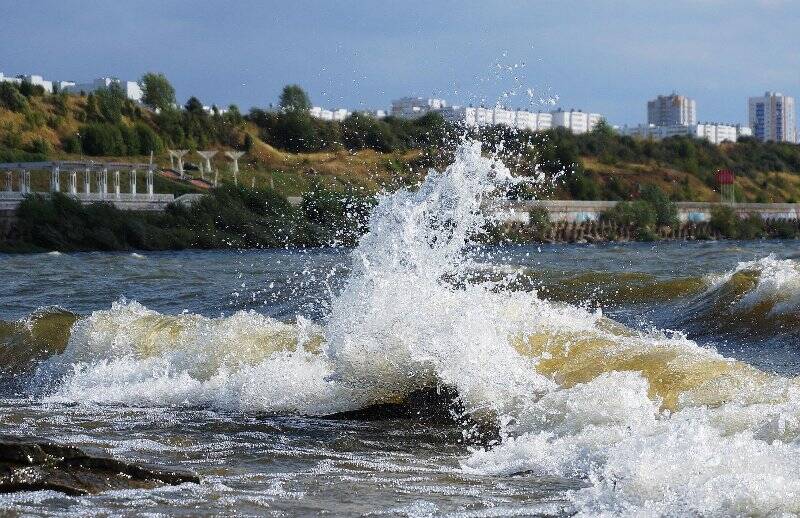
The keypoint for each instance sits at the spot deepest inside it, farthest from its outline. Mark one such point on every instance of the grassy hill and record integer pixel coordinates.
(291, 152)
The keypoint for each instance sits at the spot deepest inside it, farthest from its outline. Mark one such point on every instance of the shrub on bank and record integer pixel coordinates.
(728, 224)
(638, 214)
(336, 218)
(725, 221)
(228, 217)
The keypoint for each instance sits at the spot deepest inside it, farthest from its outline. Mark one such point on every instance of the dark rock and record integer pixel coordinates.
(36, 466)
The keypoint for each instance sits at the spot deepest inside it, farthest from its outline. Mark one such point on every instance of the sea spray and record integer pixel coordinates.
(649, 423)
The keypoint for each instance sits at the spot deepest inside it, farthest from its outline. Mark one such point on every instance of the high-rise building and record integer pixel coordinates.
(671, 110)
(772, 117)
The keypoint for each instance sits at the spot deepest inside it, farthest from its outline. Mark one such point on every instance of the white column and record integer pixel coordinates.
(132, 180)
(150, 182)
(26, 180)
(102, 182)
(179, 153)
(73, 182)
(207, 156)
(235, 155)
(9, 181)
(55, 179)
(87, 181)
(116, 184)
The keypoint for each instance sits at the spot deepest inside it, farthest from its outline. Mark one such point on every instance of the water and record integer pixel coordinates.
(631, 379)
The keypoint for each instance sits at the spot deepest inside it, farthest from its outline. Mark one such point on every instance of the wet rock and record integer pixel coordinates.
(35, 466)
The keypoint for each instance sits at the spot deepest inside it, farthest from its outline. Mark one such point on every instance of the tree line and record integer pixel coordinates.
(112, 125)
(228, 217)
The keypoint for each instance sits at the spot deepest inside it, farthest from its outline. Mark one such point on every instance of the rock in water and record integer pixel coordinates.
(35, 466)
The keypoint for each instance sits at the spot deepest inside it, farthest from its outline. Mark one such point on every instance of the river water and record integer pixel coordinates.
(620, 379)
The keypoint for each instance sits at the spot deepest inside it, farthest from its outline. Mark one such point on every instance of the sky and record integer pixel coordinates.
(602, 56)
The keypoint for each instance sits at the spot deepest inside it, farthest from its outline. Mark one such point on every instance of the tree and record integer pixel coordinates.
(193, 105)
(294, 98)
(158, 92)
(148, 139)
(603, 129)
(11, 98)
(295, 132)
(102, 140)
(110, 102)
(666, 211)
(362, 131)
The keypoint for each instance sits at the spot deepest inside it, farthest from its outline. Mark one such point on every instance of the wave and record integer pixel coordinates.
(757, 299)
(27, 341)
(768, 284)
(652, 422)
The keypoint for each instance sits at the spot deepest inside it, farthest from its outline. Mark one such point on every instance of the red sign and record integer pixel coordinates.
(725, 177)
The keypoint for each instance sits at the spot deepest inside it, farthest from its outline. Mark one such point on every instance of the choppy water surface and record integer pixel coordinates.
(623, 379)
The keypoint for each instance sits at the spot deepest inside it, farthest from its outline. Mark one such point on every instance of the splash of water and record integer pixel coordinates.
(651, 422)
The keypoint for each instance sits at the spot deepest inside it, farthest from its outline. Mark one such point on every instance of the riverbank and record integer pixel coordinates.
(239, 218)
(605, 231)
(228, 217)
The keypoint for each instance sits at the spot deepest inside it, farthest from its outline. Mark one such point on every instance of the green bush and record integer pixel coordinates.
(365, 132)
(71, 144)
(639, 214)
(751, 227)
(148, 139)
(227, 217)
(666, 211)
(40, 146)
(784, 229)
(11, 98)
(725, 221)
(102, 139)
(539, 221)
(336, 218)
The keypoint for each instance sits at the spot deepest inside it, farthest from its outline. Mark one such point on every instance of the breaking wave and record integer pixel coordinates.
(651, 422)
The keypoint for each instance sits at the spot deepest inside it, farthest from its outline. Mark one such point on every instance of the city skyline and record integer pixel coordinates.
(365, 55)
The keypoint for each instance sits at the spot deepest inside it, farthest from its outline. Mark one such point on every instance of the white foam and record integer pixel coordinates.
(407, 318)
(778, 284)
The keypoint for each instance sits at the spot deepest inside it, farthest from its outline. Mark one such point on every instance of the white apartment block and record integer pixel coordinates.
(340, 114)
(716, 133)
(414, 107)
(329, 115)
(672, 110)
(534, 121)
(713, 132)
(772, 117)
(576, 121)
(35, 80)
(132, 89)
(63, 86)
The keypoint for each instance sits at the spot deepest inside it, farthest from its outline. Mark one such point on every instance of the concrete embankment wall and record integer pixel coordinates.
(602, 231)
(9, 201)
(574, 211)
